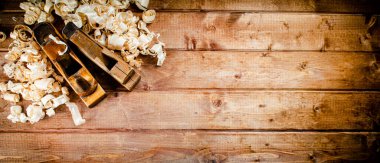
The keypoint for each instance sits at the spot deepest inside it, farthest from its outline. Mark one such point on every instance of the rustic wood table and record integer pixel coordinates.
(244, 81)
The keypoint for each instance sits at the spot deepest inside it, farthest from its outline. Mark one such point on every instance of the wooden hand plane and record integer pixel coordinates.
(101, 56)
(68, 64)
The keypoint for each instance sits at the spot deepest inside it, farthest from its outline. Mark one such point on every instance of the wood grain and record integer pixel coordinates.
(333, 6)
(244, 81)
(188, 146)
(262, 110)
(260, 31)
(264, 31)
(254, 70)
(261, 70)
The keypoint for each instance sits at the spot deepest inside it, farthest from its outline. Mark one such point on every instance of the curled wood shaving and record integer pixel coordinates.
(16, 114)
(142, 4)
(148, 16)
(37, 11)
(35, 112)
(64, 7)
(75, 113)
(11, 97)
(3, 36)
(31, 78)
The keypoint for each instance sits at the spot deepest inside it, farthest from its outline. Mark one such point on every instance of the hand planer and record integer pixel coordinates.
(101, 56)
(68, 64)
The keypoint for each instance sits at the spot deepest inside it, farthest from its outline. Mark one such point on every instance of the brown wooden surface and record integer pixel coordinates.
(258, 70)
(188, 146)
(262, 110)
(256, 31)
(332, 6)
(244, 81)
(264, 31)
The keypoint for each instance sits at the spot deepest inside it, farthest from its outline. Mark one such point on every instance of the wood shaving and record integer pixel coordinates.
(148, 16)
(77, 118)
(17, 115)
(47, 101)
(11, 97)
(36, 11)
(31, 78)
(50, 112)
(3, 36)
(142, 4)
(35, 112)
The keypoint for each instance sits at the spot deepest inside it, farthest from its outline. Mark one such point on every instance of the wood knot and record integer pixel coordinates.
(146, 87)
(286, 25)
(299, 35)
(205, 155)
(211, 28)
(253, 36)
(217, 102)
(330, 25)
(262, 106)
(214, 46)
(316, 108)
(302, 66)
(238, 76)
(264, 54)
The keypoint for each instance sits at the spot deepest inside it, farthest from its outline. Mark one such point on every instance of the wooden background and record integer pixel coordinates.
(244, 81)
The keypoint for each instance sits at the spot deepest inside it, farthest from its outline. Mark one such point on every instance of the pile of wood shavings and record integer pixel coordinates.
(107, 21)
(33, 78)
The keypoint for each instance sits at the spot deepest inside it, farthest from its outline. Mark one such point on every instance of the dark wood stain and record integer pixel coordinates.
(217, 103)
(286, 25)
(238, 76)
(262, 106)
(302, 66)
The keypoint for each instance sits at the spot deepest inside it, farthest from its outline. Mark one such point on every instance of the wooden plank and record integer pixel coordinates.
(261, 31)
(261, 70)
(189, 146)
(254, 70)
(332, 6)
(264, 31)
(261, 110)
